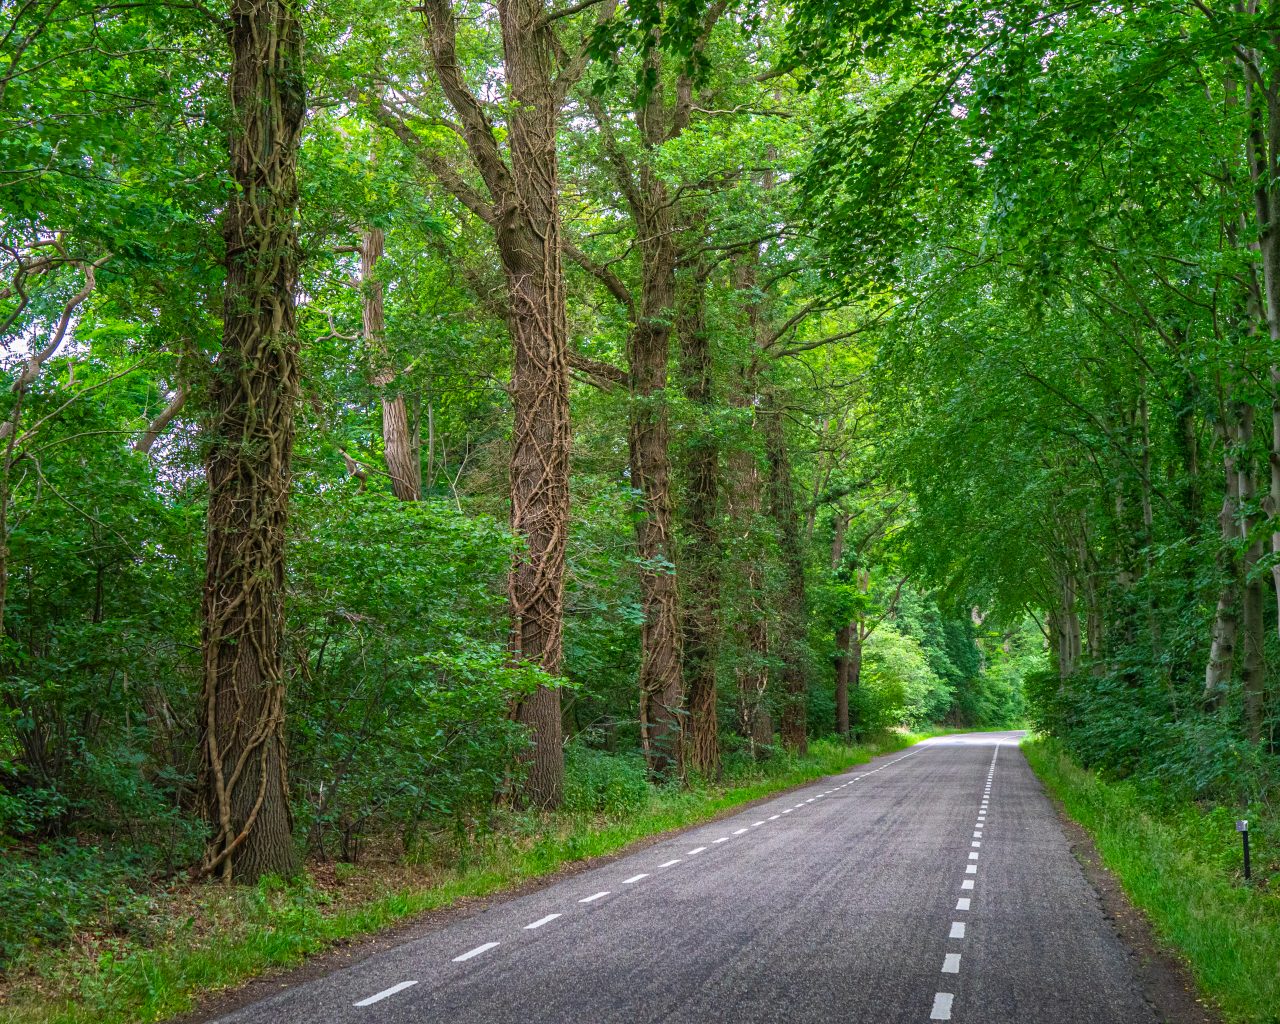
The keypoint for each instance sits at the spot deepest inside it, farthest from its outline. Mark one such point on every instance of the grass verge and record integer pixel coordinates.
(1176, 864)
(205, 938)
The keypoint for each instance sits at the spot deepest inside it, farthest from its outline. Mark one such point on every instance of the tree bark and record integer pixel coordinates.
(399, 445)
(254, 394)
(701, 571)
(1222, 647)
(1262, 148)
(750, 621)
(528, 238)
(844, 634)
(853, 672)
(844, 666)
(648, 343)
(1068, 627)
(782, 506)
(523, 210)
(1252, 664)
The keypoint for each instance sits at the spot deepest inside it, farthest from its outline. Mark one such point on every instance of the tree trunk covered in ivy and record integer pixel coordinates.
(250, 444)
(701, 575)
(528, 235)
(648, 345)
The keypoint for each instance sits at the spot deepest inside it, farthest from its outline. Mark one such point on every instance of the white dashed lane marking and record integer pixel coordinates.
(378, 997)
(534, 925)
(967, 884)
(957, 930)
(962, 903)
(951, 963)
(941, 1006)
(483, 948)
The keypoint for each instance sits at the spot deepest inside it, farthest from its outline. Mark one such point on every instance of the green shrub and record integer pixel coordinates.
(601, 783)
(46, 895)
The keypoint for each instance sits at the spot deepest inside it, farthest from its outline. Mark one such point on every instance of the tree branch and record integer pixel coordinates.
(157, 426)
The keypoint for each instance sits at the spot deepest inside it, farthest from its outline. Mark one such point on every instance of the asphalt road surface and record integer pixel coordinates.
(931, 884)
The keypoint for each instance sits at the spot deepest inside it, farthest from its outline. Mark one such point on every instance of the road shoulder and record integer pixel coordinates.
(1166, 981)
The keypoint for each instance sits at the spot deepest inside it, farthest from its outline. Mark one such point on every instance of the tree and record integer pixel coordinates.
(248, 465)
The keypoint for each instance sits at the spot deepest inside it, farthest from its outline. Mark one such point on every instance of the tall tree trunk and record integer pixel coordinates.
(1273, 495)
(1222, 648)
(782, 506)
(530, 250)
(522, 208)
(1262, 147)
(857, 645)
(254, 393)
(701, 571)
(399, 445)
(844, 676)
(1252, 664)
(1068, 626)
(648, 344)
(750, 621)
(844, 633)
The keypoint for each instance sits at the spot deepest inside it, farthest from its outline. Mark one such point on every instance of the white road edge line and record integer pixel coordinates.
(484, 948)
(941, 1006)
(385, 993)
(540, 922)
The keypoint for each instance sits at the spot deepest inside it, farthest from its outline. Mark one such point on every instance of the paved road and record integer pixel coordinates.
(932, 884)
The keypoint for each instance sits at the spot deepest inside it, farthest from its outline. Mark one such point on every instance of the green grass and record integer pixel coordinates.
(243, 933)
(1181, 866)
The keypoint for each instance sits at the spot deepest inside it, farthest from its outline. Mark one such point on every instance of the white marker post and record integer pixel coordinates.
(1243, 828)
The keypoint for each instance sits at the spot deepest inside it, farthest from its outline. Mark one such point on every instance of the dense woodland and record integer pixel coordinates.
(416, 410)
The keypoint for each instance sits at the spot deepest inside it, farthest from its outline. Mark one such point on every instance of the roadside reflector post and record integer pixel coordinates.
(1243, 828)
